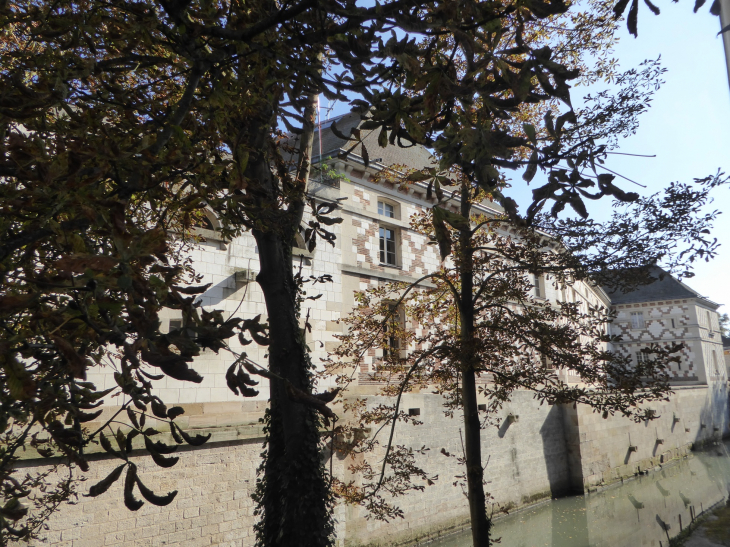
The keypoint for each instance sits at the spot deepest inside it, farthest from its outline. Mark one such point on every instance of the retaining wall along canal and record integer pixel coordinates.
(544, 451)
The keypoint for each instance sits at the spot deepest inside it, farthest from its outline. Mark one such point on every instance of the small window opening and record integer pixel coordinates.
(386, 209)
(642, 357)
(673, 326)
(387, 246)
(637, 320)
(414, 411)
(178, 324)
(482, 408)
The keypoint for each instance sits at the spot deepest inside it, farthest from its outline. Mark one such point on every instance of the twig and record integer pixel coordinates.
(637, 155)
(619, 175)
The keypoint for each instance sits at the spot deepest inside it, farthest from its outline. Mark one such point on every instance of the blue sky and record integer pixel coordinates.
(687, 127)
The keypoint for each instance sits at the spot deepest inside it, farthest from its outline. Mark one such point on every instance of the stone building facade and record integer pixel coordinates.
(665, 312)
(376, 214)
(550, 451)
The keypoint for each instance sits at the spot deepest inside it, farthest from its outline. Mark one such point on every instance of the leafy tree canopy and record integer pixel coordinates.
(121, 121)
(486, 316)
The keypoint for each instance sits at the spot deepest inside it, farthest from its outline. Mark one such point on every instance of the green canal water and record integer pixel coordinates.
(641, 512)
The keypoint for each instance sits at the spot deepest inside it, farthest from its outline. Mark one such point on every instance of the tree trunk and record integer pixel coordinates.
(293, 499)
(480, 523)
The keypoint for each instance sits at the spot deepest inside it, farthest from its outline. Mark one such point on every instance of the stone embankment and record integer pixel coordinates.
(541, 452)
(710, 530)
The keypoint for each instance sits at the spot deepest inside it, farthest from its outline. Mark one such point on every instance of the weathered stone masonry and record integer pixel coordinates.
(547, 451)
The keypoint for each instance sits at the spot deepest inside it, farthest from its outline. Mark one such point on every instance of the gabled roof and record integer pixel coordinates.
(665, 287)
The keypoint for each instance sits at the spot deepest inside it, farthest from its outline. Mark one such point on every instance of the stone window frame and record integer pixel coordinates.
(538, 282)
(384, 224)
(300, 250)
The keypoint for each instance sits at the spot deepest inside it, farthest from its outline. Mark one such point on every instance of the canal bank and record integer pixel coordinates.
(711, 531)
(542, 452)
(539, 452)
(650, 510)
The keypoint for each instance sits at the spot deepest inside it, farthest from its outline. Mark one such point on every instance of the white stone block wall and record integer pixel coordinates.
(526, 462)
(693, 415)
(213, 506)
(546, 452)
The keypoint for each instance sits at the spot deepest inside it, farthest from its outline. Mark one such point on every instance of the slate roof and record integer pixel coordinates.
(392, 156)
(413, 157)
(665, 287)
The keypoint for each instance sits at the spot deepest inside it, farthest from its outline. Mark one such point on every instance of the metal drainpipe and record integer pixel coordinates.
(724, 22)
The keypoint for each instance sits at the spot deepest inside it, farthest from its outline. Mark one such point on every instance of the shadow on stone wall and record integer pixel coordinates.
(713, 418)
(558, 468)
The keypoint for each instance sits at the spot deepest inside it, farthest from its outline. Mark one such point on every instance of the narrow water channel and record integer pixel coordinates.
(641, 512)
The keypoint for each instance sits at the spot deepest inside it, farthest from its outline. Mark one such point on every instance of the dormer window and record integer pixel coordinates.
(300, 252)
(206, 219)
(206, 225)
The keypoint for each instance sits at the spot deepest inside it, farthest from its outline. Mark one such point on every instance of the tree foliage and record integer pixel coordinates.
(724, 324)
(632, 16)
(120, 121)
(484, 318)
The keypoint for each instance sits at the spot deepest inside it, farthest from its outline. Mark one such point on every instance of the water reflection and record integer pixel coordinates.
(643, 512)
